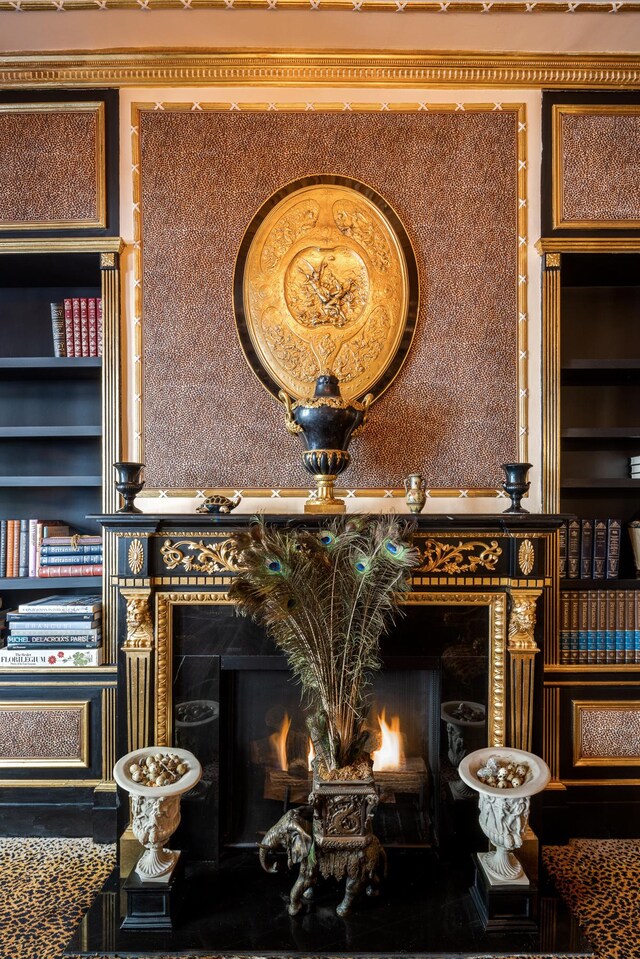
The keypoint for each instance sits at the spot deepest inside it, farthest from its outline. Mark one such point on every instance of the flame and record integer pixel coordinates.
(311, 755)
(391, 752)
(279, 742)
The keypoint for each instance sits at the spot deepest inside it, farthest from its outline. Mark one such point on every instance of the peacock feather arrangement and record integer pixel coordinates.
(326, 597)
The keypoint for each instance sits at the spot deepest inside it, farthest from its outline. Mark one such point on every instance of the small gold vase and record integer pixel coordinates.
(416, 497)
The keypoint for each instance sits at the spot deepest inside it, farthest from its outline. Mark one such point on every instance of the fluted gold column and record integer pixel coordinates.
(551, 383)
(522, 648)
(138, 650)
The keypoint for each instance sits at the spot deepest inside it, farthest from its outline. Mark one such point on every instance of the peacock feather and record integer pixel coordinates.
(326, 597)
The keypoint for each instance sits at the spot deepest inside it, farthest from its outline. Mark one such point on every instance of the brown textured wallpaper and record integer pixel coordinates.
(600, 166)
(52, 165)
(452, 178)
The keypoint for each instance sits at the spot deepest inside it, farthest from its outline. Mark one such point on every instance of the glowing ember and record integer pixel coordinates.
(279, 742)
(311, 755)
(391, 752)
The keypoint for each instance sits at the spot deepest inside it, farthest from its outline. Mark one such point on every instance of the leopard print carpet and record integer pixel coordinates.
(47, 884)
(600, 880)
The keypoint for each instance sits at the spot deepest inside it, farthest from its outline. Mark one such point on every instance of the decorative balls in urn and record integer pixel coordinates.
(505, 779)
(156, 778)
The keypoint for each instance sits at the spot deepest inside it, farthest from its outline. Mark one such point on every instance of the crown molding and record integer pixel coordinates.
(175, 68)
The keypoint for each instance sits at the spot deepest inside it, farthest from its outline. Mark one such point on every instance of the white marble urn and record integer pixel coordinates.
(156, 810)
(504, 811)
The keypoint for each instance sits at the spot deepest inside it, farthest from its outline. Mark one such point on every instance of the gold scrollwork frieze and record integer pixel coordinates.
(436, 556)
(209, 558)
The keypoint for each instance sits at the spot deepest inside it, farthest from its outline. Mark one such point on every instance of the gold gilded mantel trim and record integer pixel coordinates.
(497, 603)
(163, 719)
(326, 60)
(436, 556)
(355, 6)
(209, 558)
(322, 68)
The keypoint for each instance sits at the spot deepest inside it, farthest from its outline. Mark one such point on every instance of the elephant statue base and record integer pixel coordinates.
(330, 837)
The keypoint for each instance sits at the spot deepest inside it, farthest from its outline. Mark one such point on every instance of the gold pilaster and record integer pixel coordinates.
(551, 382)
(522, 650)
(138, 650)
(108, 733)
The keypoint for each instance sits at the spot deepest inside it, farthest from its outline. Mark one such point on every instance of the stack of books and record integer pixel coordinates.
(70, 556)
(590, 549)
(55, 631)
(20, 542)
(600, 626)
(634, 467)
(76, 325)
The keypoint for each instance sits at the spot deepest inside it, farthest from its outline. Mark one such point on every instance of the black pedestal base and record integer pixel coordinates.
(152, 905)
(507, 908)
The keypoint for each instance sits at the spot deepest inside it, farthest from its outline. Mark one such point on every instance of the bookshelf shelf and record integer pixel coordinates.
(600, 584)
(43, 481)
(49, 583)
(49, 367)
(599, 483)
(601, 432)
(46, 432)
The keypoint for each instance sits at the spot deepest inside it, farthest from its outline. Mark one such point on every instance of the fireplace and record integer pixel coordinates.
(459, 673)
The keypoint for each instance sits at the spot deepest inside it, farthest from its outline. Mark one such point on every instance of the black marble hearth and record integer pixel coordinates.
(423, 910)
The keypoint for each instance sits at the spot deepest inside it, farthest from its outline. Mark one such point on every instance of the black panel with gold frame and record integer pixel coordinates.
(326, 281)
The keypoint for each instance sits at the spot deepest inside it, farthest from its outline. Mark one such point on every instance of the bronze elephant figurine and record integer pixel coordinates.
(292, 833)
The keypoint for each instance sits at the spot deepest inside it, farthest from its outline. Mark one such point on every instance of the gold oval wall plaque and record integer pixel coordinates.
(326, 281)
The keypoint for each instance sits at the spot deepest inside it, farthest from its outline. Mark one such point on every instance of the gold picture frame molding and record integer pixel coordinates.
(521, 319)
(100, 220)
(193, 68)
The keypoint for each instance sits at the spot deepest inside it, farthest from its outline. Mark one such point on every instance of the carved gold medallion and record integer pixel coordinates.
(326, 281)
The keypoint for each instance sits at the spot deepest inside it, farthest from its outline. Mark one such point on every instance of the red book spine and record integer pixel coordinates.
(16, 547)
(99, 323)
(84, 325)
(94, 570)
(68, 328)
(77, 326)
(10, 532)
(93, 326)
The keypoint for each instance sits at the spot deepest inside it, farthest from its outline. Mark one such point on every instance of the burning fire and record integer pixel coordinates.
(311, 755)
(279, 742)
(391, 752)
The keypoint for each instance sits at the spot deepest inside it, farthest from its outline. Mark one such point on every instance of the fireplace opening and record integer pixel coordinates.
(235, 706)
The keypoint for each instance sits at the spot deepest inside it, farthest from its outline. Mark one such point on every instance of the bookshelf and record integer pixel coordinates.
(51, 415)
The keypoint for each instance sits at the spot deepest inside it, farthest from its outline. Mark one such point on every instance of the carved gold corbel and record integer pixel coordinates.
(522, 648)
(138, 647)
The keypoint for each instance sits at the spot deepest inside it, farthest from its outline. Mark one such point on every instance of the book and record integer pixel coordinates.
(620, 626)
(583, 626)
(614, 530)
(3, 547)
(55, 620)
(8, 572)
(630, 626)
(72, 559)
(586, 548)
(84, 326)
(599, 548)
(19, 629)
(59, 603)
(23, 552)
(87, 641)
(77, 328)
(99, 323)
(15, 560)
(562, 551)
(565, 626)
(68, 327)
(75, 539)
(70, 570)
(610, 634)
(58, 329)
(51, 657)
(93, 326)
(49, 549)
(573, 549)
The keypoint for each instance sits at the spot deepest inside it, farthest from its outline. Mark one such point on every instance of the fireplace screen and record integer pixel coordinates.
(236, 707)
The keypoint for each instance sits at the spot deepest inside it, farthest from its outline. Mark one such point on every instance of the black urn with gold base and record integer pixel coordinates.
(327, 423)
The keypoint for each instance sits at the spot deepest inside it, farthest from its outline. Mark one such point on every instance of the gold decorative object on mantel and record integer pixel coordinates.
(326, 282)
(210, 558)
(442, 557)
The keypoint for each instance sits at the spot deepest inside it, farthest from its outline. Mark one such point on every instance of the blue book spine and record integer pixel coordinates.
(71, 560)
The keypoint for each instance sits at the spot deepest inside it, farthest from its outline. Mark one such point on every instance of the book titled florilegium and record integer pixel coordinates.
(51, 657)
